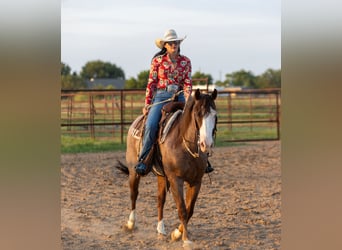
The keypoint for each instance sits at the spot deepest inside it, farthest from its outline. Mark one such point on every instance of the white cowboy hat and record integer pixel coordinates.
(170, 35)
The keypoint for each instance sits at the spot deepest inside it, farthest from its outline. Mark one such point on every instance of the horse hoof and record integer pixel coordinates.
(188, 245)
(176, 234)
(130, 225)
(161, 227)
(131, 220)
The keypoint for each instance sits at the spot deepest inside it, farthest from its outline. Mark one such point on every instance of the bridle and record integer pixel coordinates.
(193, 154)
(197, 136)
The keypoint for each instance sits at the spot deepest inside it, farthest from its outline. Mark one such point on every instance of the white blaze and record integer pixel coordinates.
(206, 131)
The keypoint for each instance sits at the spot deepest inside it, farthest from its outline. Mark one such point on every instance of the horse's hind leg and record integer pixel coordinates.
(162, 186)
(134, 180)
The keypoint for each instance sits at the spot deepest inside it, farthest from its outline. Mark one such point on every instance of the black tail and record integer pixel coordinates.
(122, 167)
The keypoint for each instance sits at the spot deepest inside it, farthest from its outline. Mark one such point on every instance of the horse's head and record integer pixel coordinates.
(206, 118)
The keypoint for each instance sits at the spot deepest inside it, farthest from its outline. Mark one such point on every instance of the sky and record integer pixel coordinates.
(222, 36)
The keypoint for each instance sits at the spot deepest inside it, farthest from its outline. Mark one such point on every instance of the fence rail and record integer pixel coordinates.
(246, 115)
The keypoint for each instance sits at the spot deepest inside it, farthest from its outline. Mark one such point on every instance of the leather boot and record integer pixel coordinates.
(209, 168)
(141, 168)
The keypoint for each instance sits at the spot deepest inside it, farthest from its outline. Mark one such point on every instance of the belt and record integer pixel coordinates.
(170, 88)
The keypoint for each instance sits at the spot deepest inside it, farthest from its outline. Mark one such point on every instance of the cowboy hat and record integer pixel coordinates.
(170, 35)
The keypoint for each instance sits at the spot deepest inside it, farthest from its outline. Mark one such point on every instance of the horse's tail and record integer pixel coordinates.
(122, 167)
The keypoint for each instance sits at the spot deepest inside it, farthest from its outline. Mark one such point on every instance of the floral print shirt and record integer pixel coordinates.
(163, 73)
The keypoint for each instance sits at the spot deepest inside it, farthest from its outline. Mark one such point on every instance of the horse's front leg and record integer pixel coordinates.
(162, 183)
(191, 197)
(178, 195)
(134, 180)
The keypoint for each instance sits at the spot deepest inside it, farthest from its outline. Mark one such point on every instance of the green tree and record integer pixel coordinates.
(100, 69)
(131, 83)
(73, 82)
(140, 82)
(142, 79)
(242, 78)
(65, 69)
(269, 79)
(199, 74)
(70, 81)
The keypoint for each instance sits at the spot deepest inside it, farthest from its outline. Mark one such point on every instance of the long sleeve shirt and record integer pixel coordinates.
(163, 73)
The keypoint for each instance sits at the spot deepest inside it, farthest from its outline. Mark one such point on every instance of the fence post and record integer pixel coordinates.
(91, 115)
(122, 115)
(69, 111)
(230, 112)
(278, 115)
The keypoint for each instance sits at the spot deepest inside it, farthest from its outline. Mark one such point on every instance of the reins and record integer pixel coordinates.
(193, 154)
(196, 154)
(167, 100)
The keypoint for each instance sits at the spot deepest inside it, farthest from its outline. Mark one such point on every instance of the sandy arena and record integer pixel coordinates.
(238, 206)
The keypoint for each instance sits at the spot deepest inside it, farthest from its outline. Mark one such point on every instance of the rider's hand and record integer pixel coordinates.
(145, 110)
(186, 95)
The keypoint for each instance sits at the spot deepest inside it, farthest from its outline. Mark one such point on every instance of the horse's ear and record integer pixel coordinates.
(197, 94)
(214, 94)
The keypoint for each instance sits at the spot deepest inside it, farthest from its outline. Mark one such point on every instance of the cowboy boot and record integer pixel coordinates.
(141, 168)
(209, 168)
(144, 165)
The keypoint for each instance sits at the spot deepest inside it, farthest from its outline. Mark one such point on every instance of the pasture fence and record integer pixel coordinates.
(243, 115)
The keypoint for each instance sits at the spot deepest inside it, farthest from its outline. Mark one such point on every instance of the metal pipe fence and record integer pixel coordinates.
(245, 115)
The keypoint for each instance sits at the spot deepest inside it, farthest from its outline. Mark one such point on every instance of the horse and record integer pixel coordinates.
(183, 156)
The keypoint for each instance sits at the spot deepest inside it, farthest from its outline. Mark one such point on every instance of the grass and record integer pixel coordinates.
(72, 145)
(85, 144)
(78, 144)
(89, 145)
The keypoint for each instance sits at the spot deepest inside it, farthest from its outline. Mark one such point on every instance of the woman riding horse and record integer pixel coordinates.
(183, 156)
(170, 72)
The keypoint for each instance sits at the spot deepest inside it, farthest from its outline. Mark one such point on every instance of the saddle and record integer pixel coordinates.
(170, 112)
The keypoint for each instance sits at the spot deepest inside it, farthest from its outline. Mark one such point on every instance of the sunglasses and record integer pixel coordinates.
(173, 42)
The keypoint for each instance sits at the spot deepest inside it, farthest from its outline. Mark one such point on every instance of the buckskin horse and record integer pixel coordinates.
(182, 155)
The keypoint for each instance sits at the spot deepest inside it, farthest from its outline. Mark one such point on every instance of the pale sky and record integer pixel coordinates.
(222, 35)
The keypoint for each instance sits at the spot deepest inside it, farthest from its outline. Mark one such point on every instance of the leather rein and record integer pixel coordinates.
(193, 154)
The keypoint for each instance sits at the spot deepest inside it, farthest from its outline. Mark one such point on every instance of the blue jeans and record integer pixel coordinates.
(152, 121)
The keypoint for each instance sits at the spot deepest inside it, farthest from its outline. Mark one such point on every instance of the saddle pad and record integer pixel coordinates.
(168, 124)
(136, 128)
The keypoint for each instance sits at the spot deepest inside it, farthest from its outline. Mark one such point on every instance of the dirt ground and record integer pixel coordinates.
(238, 206)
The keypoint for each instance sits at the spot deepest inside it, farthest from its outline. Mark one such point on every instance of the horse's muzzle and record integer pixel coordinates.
(206, 149)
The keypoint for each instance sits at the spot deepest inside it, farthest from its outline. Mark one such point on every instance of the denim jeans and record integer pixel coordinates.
(152, 121)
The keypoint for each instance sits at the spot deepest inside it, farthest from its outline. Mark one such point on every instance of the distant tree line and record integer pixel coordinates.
(91, 70)
(271, 78)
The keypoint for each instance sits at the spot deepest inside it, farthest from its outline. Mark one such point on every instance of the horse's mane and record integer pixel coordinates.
(186, 117)
(188, 109)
